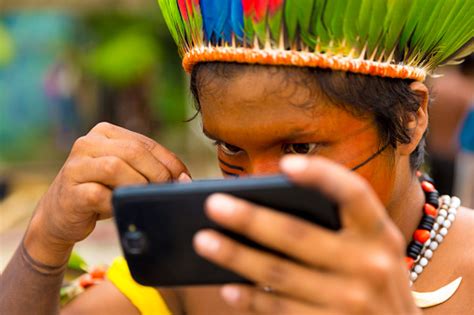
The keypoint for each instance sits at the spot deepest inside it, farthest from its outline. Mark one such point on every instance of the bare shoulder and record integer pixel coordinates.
(453, 259)
(104, 298)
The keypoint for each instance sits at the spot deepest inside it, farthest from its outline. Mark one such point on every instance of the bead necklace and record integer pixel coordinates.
(438, 216)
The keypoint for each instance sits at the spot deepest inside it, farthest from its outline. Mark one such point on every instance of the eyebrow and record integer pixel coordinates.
(293, 135)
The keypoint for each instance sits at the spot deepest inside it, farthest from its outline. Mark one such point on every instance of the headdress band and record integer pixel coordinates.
(300, 59)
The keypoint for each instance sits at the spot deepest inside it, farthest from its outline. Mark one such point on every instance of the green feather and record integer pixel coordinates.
(334, 20)
(394, 22)
(174, 21)
(298, 17)
(422, 33)
(319, 29)
(379, 11)
(350, 28)
(275, 24)
(364, 20)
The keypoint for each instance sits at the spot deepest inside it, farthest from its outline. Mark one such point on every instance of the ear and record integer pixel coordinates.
(418, 122)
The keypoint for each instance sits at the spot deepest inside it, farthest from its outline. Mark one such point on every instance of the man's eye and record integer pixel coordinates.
(228, 149)
(300, 148)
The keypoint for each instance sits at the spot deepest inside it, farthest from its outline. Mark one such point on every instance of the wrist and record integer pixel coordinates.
(41, 246)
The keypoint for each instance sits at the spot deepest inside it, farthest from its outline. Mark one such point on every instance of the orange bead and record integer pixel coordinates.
(421, 236)
(409, 261)
(86, 281)
(430, 210)
(98, 272)
(427, 186)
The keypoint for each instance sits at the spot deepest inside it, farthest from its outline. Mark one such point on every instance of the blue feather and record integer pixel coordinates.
(215, 15)
(237, 18)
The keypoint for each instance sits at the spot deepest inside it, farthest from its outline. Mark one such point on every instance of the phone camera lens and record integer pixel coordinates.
(134, 243)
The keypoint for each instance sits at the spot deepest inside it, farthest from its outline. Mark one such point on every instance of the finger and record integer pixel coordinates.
(358, 203)
(95, 197)
(281, 275)
(110, 171)
(131, 151)
(273, 229)
(248, 299)
(166, 157)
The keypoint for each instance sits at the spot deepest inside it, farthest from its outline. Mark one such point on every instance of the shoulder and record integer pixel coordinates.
(453, 259)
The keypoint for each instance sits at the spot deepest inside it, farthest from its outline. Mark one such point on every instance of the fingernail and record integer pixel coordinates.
(230, 294)
(222, 205)
(207, 243)
(184, 178)
(294, 164)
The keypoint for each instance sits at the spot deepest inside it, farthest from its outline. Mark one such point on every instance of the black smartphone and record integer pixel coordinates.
(157, 223)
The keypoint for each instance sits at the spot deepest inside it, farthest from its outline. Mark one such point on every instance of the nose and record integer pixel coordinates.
(264, 165)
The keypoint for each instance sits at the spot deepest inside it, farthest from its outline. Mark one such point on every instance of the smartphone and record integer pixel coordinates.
(157, 223)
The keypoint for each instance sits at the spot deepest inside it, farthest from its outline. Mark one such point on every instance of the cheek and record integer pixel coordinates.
(381, 175)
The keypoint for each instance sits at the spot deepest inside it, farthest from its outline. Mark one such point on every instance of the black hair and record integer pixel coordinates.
(391, 102)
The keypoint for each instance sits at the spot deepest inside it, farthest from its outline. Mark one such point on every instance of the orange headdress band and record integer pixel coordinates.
(300, 59)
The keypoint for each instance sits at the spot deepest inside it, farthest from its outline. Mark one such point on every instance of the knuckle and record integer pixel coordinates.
(102, 126)
(149, 144)
(295, 229)
(94, 195)
(357, 300)
(134, 150)
(80, 143)
(275, 274)
(111, 165)
(381, 267)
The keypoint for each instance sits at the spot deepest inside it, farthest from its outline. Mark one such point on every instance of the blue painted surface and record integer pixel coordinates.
(39, 38)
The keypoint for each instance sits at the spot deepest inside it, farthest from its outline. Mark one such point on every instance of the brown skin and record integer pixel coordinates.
(380, 205)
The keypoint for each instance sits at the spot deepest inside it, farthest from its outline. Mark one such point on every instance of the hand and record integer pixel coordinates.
(358, 270)
(106, 158)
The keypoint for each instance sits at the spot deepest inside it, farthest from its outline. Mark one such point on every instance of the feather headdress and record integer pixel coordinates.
(404, 39)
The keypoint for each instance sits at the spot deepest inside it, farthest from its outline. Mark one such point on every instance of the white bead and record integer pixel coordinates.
(428, 253)
(445, 206)
(413, 276)
(423, 262)
(434, 245)
(432, 234)
(439, 238)
(451, 217)
(445, 199)
(443, 213)
(447, 224)
(453, 211)
(435, 226)
(418, 269)
(455, 202)
(443, 231)
(439, 220)
(428, 242)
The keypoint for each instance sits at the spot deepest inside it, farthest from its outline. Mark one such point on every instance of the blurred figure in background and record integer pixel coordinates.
(454, 96)
(464, 183)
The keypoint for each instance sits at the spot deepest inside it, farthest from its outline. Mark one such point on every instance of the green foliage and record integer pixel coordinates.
(7, 47)
(125, 58)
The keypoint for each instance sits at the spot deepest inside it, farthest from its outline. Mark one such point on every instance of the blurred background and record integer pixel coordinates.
(66, 65)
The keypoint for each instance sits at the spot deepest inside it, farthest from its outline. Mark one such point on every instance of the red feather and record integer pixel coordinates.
(274, 5)
(184, 5)
(249, 7)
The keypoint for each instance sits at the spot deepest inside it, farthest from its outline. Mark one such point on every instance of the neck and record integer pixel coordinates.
(406, 209)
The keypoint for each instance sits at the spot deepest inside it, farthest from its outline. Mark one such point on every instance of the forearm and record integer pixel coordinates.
(30, 285)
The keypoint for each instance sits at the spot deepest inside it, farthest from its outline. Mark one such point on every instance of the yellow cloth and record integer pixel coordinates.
(148, 300)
